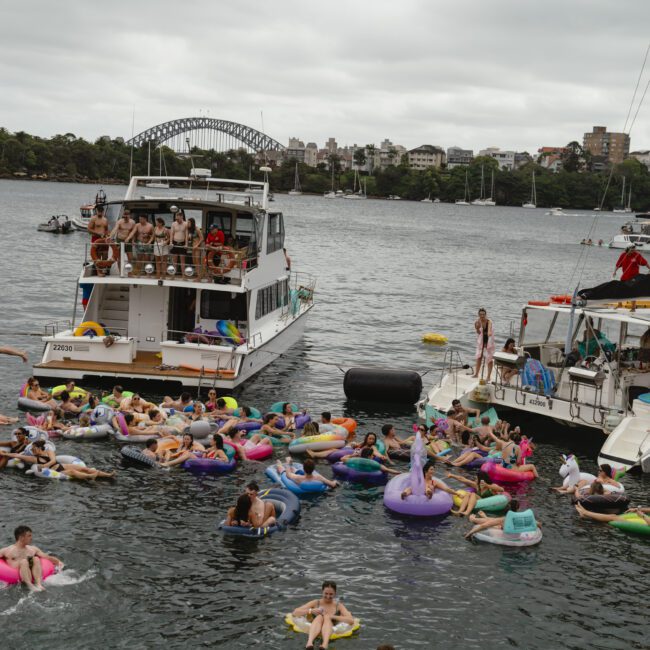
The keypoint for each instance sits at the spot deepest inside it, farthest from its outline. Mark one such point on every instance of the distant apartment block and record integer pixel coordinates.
(331, 145)
(642, 156)
(388, 154)
(427, 156)
(457, 157)
(506, 159)
(311, 154)
(615, 147)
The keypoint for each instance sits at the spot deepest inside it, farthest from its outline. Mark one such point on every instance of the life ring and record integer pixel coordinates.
(561, 300)
(89, 325)
(539, 303)
(227, 261)
(97, 249)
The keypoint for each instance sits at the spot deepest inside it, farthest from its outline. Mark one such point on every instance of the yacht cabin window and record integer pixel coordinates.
(275, 237)
(272, 297)
(218, 305)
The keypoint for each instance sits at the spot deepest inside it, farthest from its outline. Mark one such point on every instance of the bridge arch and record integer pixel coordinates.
(206, 133)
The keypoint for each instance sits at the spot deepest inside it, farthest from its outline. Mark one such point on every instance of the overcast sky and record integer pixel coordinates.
(517, 74)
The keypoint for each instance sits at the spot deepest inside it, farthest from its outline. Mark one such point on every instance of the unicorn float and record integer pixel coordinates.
(570, 472)
(416, 504)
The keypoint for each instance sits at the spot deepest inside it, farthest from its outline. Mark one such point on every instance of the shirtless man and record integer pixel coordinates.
(461, 413)
(98, 225)
(178, 234)
(179, 404)
(309, 467)
(151, 450)
(262, 513)
(122, 230)
(142, 233)
(21, 556)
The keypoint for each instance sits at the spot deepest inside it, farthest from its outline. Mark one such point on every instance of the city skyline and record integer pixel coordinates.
(476, 75)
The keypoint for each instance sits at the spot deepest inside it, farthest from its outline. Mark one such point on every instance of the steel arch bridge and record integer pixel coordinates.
(206, 133)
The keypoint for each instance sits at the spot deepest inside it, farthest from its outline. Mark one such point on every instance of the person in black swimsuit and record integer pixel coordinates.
(16, 446)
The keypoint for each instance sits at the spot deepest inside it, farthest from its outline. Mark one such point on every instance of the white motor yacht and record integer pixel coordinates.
(88, 211)
(556, 212)
(214, 318)
(598, 388)
(633, 233)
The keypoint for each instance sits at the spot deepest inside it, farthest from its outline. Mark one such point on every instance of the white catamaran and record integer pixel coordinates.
(219, 313)
(602, 383)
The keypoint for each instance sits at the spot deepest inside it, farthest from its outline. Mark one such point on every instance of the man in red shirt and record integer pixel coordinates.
(216, 238)
(629, 261)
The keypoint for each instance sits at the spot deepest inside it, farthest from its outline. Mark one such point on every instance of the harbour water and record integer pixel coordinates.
(145, 565)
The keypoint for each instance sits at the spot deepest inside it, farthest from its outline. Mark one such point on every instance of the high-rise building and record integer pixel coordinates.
(615, 147)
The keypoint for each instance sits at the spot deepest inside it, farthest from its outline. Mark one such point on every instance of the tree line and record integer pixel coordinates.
(66, 157)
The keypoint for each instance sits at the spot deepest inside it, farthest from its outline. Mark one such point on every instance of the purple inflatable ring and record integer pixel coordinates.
(415, 505)
(247, 426)
(209, 466)
(337, 454)
(350, 474)
(301, 420)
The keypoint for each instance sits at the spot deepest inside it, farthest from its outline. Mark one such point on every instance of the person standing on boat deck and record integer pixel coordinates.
(484, 342)
(179, 239)
(216, 238)
(98, 225)
(194, 242)
(122, 230)
(143, 235)
(160, 246)
(287, 260)
(629, 262)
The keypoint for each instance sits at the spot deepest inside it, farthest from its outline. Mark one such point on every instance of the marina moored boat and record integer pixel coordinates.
(215, 317)
(88, 211)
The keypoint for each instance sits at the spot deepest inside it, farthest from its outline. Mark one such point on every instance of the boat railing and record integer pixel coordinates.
(203, 337)
(55, 327)
(133, 259)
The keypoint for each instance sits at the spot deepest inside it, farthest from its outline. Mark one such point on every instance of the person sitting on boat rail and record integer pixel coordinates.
(143, 236)
(484, 342)
(508, 373)
(629, 262)
(98, 225)
(21, 556)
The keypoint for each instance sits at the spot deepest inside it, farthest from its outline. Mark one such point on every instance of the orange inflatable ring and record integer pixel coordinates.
(173, 444)
(98, 250)
(562, 300)
(348, 424)
(539, 303)
(226, 263)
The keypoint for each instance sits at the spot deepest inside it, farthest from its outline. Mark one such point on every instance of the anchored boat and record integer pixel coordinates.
(586, 365)
(217, 315)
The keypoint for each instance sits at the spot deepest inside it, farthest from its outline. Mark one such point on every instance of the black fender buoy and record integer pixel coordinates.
(382, 385)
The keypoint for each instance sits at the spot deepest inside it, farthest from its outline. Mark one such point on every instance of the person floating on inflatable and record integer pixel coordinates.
(324, 615)
(28, 560)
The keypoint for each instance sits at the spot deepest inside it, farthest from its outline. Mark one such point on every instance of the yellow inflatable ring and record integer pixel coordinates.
(434, 337)
(77, 393)
(340, 630)
(89, 325)
(231, 402)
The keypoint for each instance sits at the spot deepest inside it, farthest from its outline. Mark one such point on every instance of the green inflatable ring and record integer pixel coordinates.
(363, 464)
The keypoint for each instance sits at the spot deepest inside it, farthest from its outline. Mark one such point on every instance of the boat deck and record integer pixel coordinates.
(145, 364)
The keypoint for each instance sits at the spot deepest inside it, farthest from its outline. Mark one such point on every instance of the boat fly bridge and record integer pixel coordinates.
(192, 286)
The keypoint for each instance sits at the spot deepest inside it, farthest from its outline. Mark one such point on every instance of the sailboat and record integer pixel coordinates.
(297, 190)
(427, 200)
(465, 199)
(331, 194)
(481, 198)
(490, 200)
(623, 208)
(356, 194)
(533, 196)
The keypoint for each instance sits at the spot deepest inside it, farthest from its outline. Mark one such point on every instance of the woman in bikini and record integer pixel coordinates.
(160, 246)
(242, 445)
(36, 393)
(216, 451)
(431, 483)
(483, 487)
(188, 449)
(238, 515)
(484, 342)
(324, 613)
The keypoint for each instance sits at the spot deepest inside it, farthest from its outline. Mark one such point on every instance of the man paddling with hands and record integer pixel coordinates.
(21, 556)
